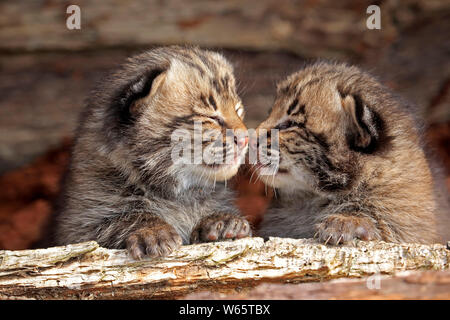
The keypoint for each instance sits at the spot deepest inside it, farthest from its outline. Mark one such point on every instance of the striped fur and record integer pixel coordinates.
(352, 162)
(122, 177)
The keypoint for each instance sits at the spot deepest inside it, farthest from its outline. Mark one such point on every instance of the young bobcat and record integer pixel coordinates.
(352, 164)
(123, 188)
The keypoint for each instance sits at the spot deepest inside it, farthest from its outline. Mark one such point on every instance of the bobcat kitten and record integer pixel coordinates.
(351, 162)
(123, 188)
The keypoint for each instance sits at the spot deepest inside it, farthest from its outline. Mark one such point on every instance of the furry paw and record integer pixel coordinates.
(219, 227)
(155, 241)
(342, 229)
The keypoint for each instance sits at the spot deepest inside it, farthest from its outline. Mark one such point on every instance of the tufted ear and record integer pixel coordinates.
(143, 86)
(363, 125)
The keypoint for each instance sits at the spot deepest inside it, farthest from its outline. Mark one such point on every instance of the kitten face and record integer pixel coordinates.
(189, 92)
(212, 114)
(324, 128)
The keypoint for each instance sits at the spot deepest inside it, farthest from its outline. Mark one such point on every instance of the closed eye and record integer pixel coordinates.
(285, 125)
(218, 120)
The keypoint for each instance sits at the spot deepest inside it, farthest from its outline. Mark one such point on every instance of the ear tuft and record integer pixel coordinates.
(364, 126)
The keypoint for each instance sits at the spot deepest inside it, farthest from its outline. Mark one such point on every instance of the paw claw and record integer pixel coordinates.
(342, 229)
(212, 237)
(158, 240)
(219, 227)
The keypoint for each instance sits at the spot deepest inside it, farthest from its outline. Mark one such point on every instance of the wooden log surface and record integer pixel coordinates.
(423, 285)
(87, 271)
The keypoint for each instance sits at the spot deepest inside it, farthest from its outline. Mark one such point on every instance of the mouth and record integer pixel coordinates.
(282, 171)
(220, 166)
(273, 175)
(274, 170)
(212, 166)
(225, 170)
(287, 178)
(237, 159)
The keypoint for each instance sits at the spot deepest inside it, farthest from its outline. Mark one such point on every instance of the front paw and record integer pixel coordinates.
(342, 229)
(219, 227)
(155, 241)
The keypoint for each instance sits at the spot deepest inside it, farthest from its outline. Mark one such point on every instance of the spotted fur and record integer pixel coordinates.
(122, 188)
(352, 162)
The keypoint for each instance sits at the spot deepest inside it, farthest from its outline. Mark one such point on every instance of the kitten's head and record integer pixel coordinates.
(164, 99)
(328, 123)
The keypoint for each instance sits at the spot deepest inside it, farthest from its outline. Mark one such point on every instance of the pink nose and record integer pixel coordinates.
(241, 141)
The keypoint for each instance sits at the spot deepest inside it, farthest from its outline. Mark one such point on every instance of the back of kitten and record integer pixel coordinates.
(352, 163)
(124, 188)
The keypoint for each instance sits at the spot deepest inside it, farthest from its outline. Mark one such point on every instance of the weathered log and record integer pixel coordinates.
(87, 271)
(425, 285)
(320, 28)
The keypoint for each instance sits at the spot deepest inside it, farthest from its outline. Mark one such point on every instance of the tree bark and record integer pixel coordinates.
(87, 271)
(405, 285)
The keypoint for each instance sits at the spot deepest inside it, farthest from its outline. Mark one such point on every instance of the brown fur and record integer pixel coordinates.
(352, 162)
(122, 188)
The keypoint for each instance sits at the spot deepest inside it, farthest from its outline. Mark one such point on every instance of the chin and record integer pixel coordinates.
(279, 180)
(216, 173)
(224, 172)
(285, 180)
